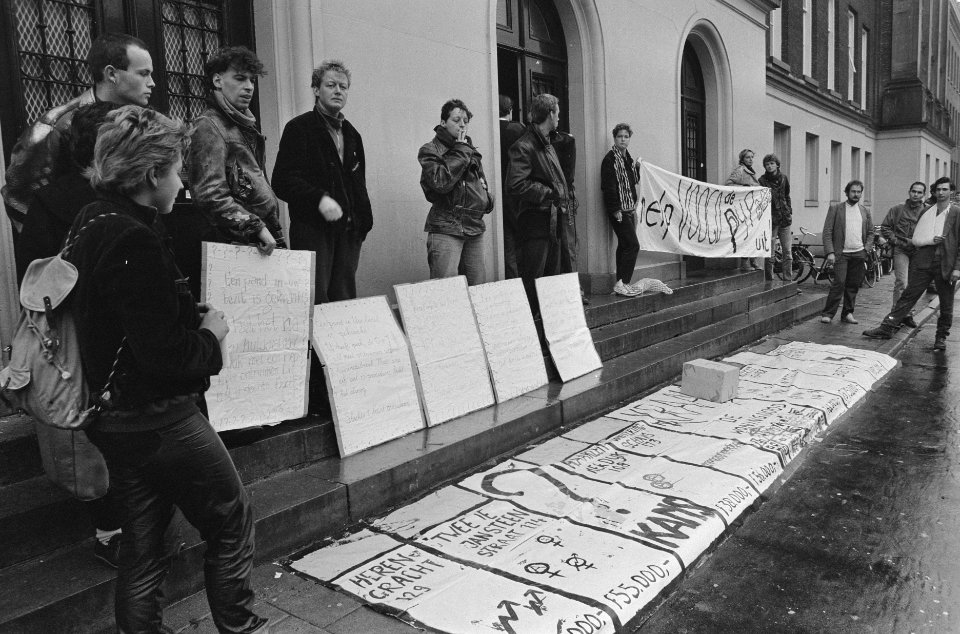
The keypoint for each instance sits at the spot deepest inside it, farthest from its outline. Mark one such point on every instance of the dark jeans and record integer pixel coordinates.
(924, 268)
(628, 246)
(183, 464)
(848, 272)
(338, 255)
(540, 255)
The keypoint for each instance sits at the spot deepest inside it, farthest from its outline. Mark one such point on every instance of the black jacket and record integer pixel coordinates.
(308, 167)
(51, 213)
(128, 286)
(535, 180)
(781, 209)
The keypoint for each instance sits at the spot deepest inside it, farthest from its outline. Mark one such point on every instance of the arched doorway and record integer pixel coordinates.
(693, 100)
(531, 53)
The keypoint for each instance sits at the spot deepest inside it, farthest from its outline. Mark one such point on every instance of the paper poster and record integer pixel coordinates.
(565, 326)
(677, 214)
(439, 323)
(509, 338)
(268, 303)
(369, 375)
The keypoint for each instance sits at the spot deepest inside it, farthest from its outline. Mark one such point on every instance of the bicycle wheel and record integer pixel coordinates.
(802, 264)
(869, 277)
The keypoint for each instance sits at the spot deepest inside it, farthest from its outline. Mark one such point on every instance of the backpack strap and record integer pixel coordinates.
(72, 238)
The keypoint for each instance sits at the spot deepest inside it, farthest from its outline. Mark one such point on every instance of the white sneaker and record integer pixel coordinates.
(624, 290)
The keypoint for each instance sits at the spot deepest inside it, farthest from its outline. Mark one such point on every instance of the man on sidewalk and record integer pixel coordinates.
(510, 131)
(897, 227)
(936, 238)
(122, 71)
(847, 236)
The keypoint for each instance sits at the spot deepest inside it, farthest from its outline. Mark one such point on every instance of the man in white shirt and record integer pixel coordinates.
(937, 242)
(847, 236)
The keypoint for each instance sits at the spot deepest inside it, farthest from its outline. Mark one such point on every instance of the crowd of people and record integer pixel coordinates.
(105, 170)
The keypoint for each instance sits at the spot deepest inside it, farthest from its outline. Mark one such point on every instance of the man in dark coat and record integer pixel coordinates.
(321, 173)
(510, 131)
(535, 179)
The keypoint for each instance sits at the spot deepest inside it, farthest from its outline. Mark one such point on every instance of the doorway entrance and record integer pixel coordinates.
(693, 124)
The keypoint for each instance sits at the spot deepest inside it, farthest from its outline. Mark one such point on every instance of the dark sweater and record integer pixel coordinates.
(129, 287)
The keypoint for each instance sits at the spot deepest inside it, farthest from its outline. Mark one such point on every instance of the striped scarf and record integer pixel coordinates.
(624, 169)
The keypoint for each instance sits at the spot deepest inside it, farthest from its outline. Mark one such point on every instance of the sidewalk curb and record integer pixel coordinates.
(900, 340)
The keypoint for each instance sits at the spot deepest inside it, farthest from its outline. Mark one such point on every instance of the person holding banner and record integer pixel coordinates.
(781, 212)
(453, 182)
(618, 182)
(142, 333)
(745, 176)
(847, 237)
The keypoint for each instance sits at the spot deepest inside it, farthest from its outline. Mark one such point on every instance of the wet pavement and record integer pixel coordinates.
(863, 537)
(860, 538)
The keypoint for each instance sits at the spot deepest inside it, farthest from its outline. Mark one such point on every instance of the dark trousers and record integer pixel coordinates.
(183, 464)
(848, 272)
(540, 254)
(924, 268)
(338, 255)
(628, 246)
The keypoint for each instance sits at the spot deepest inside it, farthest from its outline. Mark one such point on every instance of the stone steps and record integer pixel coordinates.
(303, 493)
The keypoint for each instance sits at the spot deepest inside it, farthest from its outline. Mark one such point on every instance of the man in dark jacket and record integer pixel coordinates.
(535, 179)
(897, 227)
(321, 173)
(226, 162)
(122, 72)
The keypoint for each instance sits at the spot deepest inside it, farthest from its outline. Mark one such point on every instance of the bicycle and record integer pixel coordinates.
(804, 264)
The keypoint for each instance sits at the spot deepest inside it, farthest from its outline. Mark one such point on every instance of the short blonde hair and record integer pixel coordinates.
(131, 140)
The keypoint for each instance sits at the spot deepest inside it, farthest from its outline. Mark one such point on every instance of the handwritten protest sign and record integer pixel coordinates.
(368, 371)
(509, 338)
(268, 302)
(580, 533)
(565, 326)
(681, 215)
(439, 322)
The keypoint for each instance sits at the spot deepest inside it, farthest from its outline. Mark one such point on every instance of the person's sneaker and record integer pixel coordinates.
(623, 290)
(877, 333)
(940, 343)
(908, 322)
(849, 319)
(108, 553)
(825, 320)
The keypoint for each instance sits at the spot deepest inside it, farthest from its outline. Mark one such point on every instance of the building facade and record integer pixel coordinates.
(698, 80)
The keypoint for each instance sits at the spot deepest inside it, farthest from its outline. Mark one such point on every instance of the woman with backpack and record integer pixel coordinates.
(143, 335)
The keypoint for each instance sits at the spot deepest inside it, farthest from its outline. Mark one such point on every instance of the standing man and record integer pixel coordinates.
(566, 147)
(510, 131)
(897, 227)
(535, 179)
(847, 236)
(321, 173)
(226, 161)
(122, 71)
(936, 239)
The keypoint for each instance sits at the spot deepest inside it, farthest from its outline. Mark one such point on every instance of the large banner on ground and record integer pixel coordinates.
(268, 302)
(580, 533)
(681, 215)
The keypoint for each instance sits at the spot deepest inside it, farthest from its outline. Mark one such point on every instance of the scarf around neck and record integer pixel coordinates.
(628, 197)
(242, 119)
